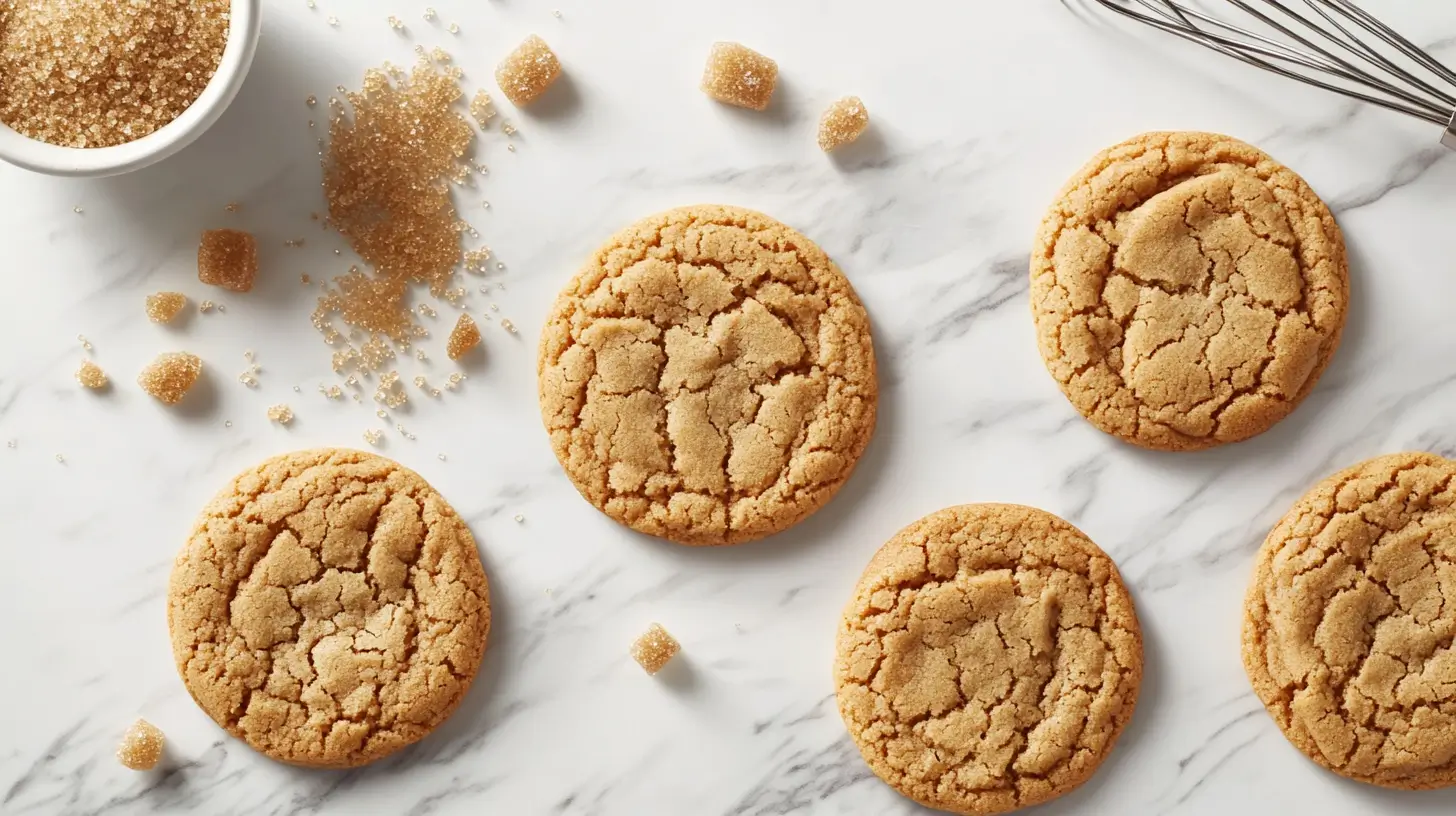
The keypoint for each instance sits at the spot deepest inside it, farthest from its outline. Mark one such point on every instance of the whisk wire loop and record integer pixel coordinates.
(1329, 44)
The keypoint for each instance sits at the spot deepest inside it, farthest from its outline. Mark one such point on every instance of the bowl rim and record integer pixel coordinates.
(42, 157)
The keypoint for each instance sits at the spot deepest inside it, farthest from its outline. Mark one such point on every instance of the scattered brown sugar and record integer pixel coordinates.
(374, 304)
(373, 436)
(141, 746)
(171, 376)
(528, 71)
(739, 76)
(280, 414)
(97, 73)
(91, 376)
(654, 648)
(228, 258)
(393, 150)
(842, 123)
(389, 391)
(164, 306)
(465, 337)
(482, 108)
(386, 171)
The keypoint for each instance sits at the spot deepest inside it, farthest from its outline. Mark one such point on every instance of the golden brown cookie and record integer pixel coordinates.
(1188, 290)
(989, 659)
(329, 608)
(708, 377)
(1349, 621)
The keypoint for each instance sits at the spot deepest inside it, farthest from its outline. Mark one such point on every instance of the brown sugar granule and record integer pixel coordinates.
(164, 306)
(463, 338)
(528, 71)
(739, 76)
(842, 123)
(97, 73)
(91, 376)
(170, 376)
(227, 258)
(280, 414)
(654, 648)
(141, 746)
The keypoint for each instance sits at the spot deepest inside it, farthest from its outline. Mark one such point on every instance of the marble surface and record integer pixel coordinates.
(981, 110)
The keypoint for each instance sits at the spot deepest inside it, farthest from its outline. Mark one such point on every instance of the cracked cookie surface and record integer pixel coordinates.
(329, 608)
(1188, 290)
(708, 377)
(989, 659)
(1350, 618)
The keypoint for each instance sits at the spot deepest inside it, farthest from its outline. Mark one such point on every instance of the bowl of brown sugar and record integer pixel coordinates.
(102, 87)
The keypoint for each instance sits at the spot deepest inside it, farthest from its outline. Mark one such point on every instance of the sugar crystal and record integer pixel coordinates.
(528, 71)
(162, 307)
(170, 376)
(227, 258)
(464, 337)
(654, 649)
(141, 746)
(842, 123)
(91, 376)
(739, 76)
(280, 414)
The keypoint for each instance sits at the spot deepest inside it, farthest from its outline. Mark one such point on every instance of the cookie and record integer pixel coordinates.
(1188, 290)
(329, 608)
(708, 377)
(989, 659)
(1349, 621)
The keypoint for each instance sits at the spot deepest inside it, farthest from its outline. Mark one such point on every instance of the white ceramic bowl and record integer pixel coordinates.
(237, 57)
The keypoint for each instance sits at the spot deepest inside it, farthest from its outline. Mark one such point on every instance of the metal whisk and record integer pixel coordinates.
(1330, 44)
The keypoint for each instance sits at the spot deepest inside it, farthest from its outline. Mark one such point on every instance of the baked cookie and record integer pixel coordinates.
(989, 659)
(708, 377)
(1349, 621)
(1188, 290)
(329, 608)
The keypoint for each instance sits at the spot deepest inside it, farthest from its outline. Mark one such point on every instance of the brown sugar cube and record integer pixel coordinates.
(842, 123)
(740, 76)
(528, 71)
(141, 746)
(654, 648)
(91, 376)
(464, 337)
(163, 306)
(170, 376)
(227, 258)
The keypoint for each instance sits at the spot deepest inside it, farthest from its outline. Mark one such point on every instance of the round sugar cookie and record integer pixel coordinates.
(1349, 621)
(708, 377)
(989, 659)
(1188, 290)
(329, 608)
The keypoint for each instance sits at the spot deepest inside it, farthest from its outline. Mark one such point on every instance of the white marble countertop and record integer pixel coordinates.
(981, 110)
